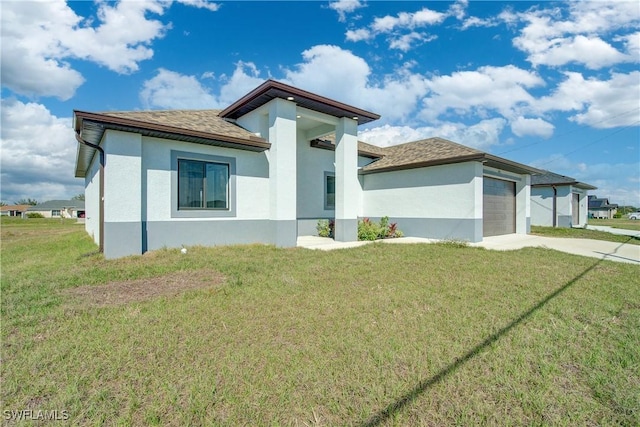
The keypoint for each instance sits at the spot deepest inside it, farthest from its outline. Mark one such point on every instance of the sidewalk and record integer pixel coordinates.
(620, 231)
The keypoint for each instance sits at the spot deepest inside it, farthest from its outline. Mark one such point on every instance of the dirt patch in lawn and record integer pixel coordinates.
(117, 293)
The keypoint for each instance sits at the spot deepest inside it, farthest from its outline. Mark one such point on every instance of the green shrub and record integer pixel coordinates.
(371, 230)
(34, 215)
(325, 227)
(617, 215)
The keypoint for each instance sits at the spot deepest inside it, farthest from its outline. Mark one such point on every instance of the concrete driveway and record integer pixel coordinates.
(621, 252)
(586, 247)
(612, 230)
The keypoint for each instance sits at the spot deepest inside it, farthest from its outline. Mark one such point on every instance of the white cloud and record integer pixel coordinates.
(481, 135)
(341, 75)
(488, 89)
(551, 38)
(40, 38)
(345, 6)
(402, 28)
(533, 127)
(171, 90)
(38, 153)
(359, 35)
(201, 4)
(244, 79)
(598, 103)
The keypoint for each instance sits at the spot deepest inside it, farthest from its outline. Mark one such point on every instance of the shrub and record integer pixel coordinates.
(325, 227)
(34, 215)
(617, 215)
(370, 230)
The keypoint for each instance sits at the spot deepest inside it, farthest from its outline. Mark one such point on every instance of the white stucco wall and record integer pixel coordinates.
(312, 165)
(252, 182)
(92, 199)
(446, 191)
(123, 174)
(542, 206)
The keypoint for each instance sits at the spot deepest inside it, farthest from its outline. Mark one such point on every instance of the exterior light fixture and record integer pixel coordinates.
(355, 117)
(290, 98)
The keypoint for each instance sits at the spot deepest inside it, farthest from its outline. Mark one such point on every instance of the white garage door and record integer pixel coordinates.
(498, 207)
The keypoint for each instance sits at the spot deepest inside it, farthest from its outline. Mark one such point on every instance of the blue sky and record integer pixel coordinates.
(555, 85)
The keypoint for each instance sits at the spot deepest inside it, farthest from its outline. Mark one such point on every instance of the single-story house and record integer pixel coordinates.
(269, 166)
(59, 209)
(601, 208)
(558, 200)
(14, 210)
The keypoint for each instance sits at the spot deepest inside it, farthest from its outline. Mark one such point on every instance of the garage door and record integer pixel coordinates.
(498, 207)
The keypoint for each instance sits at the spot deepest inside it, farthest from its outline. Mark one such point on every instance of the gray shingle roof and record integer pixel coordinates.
(57, 204)
(550, 178)
(207, 121)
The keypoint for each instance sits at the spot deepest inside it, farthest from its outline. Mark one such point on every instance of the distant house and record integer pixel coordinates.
(59, 209)
(14, 210)
(601, 208)
(558, 200)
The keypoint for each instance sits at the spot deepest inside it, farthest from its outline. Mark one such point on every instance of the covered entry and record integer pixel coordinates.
(498, 207)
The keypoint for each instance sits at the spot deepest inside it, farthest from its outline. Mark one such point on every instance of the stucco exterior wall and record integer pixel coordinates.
(435, 202)
(92, 199)
(542, 206)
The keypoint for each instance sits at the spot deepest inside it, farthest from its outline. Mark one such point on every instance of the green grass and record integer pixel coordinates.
(581, 233)
(376, 335)
(625, 223)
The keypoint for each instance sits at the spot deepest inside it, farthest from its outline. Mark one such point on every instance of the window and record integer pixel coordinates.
(329, 190)
(203, 185)
(55, 212)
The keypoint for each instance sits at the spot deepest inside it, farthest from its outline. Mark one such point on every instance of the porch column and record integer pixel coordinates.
(347, 186)
(282, 171)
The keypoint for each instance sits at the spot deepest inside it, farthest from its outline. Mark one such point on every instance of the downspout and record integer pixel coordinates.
(555, 201)
(101, 209)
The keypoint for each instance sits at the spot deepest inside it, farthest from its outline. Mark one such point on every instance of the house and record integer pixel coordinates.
(14, 210)
(59, 209)
(601, 208)
(267, 167)
(558, 200)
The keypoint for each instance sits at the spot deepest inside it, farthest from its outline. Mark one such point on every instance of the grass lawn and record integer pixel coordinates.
(581, 233)
(376, 335)
(629, 224)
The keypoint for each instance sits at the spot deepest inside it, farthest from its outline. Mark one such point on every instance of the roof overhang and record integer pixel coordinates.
(91, 127)
(325, 145)
(508, 165)
(272, 89)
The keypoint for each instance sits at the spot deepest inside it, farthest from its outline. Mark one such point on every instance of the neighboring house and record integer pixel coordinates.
(266, 168)
(601, 208)
(558, 200)
(59, 209)
(14, 210)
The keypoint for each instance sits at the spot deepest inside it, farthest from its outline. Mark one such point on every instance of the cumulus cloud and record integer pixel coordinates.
(487, 89)
(171, 90)
(522, 126)
(38, 153)
(481, 135)
(598, 103)
(345, 6)
(402, 29)
(40, 40)
(552, 38)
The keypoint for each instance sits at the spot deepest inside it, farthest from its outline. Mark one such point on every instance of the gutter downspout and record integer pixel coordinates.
(555, 202)
(101, 209)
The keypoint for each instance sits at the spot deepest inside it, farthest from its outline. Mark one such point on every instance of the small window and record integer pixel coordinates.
(55, 212)
(329, 191)
(203, 185)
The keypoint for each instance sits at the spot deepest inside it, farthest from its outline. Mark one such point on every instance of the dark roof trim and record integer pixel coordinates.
(424, 164)
(272, 89)
(508, 165)
(255, 143)
(326, 145)
(577, 184)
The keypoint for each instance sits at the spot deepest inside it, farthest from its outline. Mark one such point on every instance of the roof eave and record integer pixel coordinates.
(423, 164)
(508, 165)
(234, 110)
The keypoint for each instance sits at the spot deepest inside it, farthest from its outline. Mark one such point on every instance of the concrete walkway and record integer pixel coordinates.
(620, 231)
(620, 252)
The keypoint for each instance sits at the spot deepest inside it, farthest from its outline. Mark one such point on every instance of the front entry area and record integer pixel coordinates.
(498, 207)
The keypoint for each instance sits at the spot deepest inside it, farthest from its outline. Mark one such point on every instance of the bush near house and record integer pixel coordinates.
(34, 215)
(371, 230)
(325, 227)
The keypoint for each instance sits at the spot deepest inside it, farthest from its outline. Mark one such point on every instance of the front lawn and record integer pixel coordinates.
(581, 233)
(376, 335)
